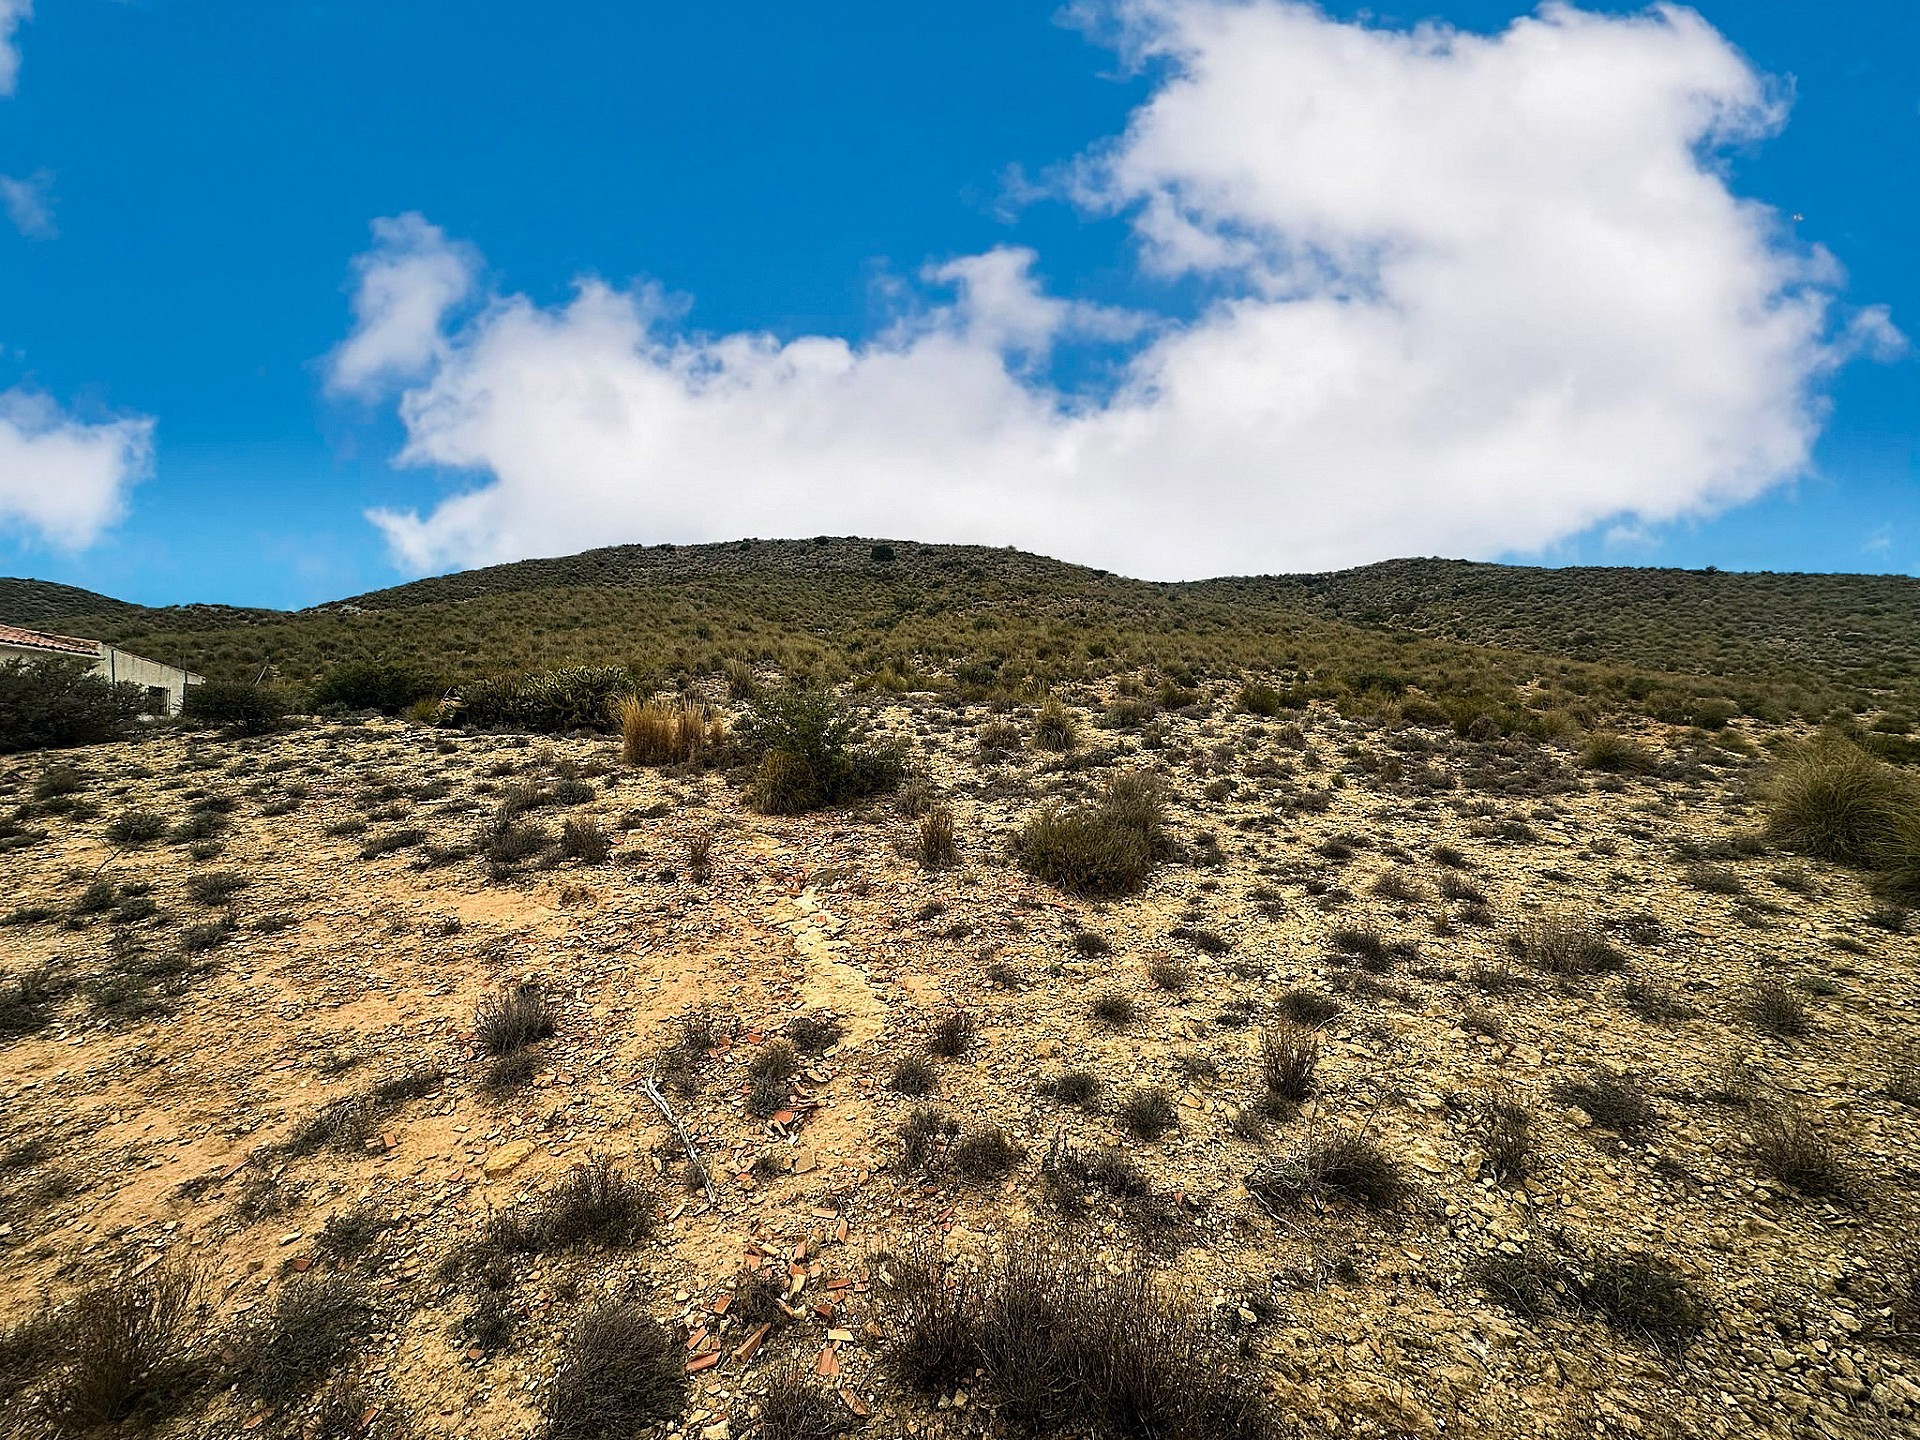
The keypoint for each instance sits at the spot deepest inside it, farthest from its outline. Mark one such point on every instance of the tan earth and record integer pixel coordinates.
(132, 1136)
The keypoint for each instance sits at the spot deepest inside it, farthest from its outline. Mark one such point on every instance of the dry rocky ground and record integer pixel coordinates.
(1370, 883)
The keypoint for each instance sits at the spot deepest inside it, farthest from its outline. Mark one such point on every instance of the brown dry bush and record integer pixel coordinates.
(1617, 1102)
(1067, 1349)
(1777, 1010)
(1567, 945)
(1288, 1058)
(1170, 973)
(513, 1019)
(770, 1075)
(953, 1034)
(1309, 1007)
(312, 1326)
(816, 1031)
(1788, 1148)
(1644, 1295)
(126, 1349)
(595, 1203)
(1342, 1165)
(1505, 1131)
(1072, 1087)
(1147, 1113)
(619, 1370)
(912, 1076)
(795, 1408)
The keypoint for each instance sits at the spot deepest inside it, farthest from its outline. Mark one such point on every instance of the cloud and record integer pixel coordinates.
(29, 204)
(64, 478)
(1469, 294)
(407, 283)
(12, 14)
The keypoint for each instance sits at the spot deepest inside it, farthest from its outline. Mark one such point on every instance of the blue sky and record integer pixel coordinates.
(194, 182)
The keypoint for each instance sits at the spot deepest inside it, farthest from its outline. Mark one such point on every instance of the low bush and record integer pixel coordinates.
(816, 1031)
(508, 839)
(1616, 754)
(809, 751)
(1617, 1102)
(1054, 728)
(1644, 1295)
(547, 702)
(934, 847)
(234, 706)
(1309, 1007)
(513, 1019)
(1147, 1113)
(1105, 847)
(127, 1349)
(594, 1203)
(313, 1324)
(912, 1076)
(1777, 1010)
(1288, 1058)
(1062, 1348)
(1114, 1009)
(135, 827)
(983, 1154)
(585, 840)
(1830, 799)
(27, 1001)
(1788, 1148)
(924, 1133)
(793, 1408)
(56, 702)
(216, 887)
(1567, 945)
(770, 1076)
(953, 1034)
(1071, 1087)
(1505, 1132)
(620, 1370)
(389, 686)
(1342, 1165)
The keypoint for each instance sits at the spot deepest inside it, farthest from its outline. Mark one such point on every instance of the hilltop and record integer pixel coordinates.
(1765, 643)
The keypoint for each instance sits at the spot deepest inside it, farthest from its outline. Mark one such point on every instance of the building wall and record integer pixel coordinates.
(122, 667)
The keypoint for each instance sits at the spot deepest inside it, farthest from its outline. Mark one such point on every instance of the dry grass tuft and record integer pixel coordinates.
(667, 732)
(1339, 1166)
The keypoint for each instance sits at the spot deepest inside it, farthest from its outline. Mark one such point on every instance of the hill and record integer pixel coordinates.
(890, 614)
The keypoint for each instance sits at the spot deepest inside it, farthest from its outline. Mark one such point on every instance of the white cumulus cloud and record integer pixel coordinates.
(406, 285)
(64, 478)
(1472, 294)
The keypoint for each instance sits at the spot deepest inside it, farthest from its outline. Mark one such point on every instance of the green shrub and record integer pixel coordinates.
(1054, 728)
(56, 701)
(389, 686)
(1616, 754)
(549, 701)
(1258, 699)
(808, 751)
(234, 706)
(1832, 800)
(1105, 847)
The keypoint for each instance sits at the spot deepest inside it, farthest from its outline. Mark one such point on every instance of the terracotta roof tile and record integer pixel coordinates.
(22, 638)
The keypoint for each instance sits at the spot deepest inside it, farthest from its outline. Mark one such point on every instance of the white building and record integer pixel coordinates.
(166, 685)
